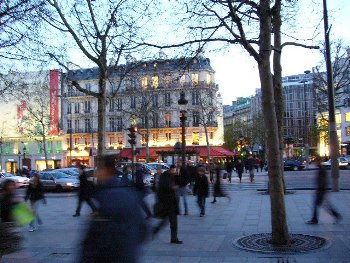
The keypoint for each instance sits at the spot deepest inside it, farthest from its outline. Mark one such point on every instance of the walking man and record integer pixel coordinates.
(229, 169)
(321, 195)
(251, 167)
(239, 169)
(167, 198)
(85, 191)
(201, 189)
(182, 180)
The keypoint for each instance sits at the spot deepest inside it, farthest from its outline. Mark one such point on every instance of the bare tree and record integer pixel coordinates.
(97, 31)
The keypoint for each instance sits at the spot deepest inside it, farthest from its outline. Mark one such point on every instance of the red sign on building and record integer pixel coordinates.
(54, 80)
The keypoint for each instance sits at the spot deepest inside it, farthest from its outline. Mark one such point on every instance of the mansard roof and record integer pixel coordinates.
(144, 67)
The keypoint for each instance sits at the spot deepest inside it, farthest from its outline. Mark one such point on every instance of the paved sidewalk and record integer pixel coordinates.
(206, 239)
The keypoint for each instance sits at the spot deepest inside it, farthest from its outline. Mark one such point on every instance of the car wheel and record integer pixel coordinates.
(59, 188)
(295, 168)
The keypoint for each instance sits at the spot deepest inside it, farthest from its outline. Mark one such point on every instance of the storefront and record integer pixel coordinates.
(11, 166)
(52, 163)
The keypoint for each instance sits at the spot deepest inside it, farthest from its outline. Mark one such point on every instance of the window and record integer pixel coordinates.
(211, 135)
(195, 138)
(39, 148)
(167, 99)
(195, 79)
(208, 78)
(87, 125)
(113, 88)
(111, 140)
(167, 80)
(119, 104)
(182, 80)
(87, 106)
(133, 102)
(76, 125)
(155, 137)
(144, 82)
(76, 107)
(155, 100)
(347, 116)
(155, 82)
(168, 119)
(195, 97)
(49, 147)
(168, 136)
(69, 126)
(155, 120)
(112, 127)
(347, 131)
(210, 98)
(88, 86)
(69, 108)
(119, 124)
(195, 118)
(76, 141)
(111, 105)
(210, 117)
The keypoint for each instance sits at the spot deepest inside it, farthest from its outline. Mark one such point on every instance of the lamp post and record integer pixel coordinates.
(241, 139)
(183, 110)
(132, 141)
(24, 148)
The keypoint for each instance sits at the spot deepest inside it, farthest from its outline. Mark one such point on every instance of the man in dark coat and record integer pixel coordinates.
(182, 180)
(239, 169)
(321, 195)
(201, 189)
(166, 196)
(85, 191)
(229, 169)
(118, 229)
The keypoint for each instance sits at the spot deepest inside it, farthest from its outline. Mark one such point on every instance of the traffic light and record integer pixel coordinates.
(132, 135)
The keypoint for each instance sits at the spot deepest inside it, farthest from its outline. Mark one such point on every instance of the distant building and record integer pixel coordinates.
(238, 110)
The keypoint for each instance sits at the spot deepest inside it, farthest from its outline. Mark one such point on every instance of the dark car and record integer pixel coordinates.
(293, 165)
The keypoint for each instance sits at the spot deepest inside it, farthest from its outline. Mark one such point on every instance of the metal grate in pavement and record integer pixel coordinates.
(299, 243)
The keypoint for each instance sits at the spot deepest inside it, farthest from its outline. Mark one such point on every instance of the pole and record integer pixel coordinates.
(306, 131)
(333, 137)
(183, 138)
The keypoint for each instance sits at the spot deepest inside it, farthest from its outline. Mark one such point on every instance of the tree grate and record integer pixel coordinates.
(299, 243)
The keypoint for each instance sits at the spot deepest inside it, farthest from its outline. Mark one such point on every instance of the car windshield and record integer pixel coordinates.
(70, 172)
(59, 175)
(8, 175)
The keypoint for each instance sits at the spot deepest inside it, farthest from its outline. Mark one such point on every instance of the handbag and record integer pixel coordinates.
(22, 214)
(160, 210)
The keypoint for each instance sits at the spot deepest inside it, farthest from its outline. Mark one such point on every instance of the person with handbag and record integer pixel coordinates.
(35, 193)
(167, 205)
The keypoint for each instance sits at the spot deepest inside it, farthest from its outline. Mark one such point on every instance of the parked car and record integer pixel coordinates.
(147, 168)
(70, 171)
(19, 180)
(293, 165)
(56, 180)
(164, 166)
(343, 163)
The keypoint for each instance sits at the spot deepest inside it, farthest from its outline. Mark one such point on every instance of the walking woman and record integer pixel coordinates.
(217, 185)
(35, 193)
(9, 238)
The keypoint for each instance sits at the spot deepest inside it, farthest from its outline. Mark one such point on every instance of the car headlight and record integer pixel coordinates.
(69, 184)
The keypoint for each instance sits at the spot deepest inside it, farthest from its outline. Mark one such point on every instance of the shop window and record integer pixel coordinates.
(168, 136)
(347, 116)
(347, 131)
(195, 138)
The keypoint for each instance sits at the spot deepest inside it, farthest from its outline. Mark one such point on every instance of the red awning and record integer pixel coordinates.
(215, 151)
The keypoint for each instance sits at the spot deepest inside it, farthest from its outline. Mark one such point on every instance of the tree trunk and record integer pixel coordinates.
(147, 139)
(207, 141)
(101, 128)
(277, 79)
(44, 147)
(278, 212)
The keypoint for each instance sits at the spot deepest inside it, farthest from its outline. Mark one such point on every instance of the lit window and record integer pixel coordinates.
(144, 82)
(167, 80)
(195, 79)
(155, 137)
(182, 80)
(168, 119)
(155, 82)
(347, 116)
(208, 78)
(347, 131)
(195, 138)
(337, 119)
(168, 136)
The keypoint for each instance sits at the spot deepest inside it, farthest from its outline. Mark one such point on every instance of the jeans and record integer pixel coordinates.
(201, 203)
(183, 192)
(34, 206)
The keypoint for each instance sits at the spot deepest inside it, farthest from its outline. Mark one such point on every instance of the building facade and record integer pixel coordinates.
(145, 92)
(239, 110)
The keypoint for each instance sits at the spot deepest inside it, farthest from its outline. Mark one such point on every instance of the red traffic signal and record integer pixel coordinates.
(132, 129)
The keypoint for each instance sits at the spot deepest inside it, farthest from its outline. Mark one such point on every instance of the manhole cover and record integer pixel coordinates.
(299, 243)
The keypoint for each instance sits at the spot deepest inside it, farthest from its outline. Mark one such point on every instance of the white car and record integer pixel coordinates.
(343, 163)
(164, 166)
(19, 180)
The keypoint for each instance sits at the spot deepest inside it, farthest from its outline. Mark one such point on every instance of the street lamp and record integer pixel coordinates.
(183, 110)
(241, 139)
(132, 141)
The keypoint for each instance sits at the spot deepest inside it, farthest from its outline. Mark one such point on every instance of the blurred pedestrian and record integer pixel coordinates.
(251, 167)
(262, 164)
(117, 230)
(211, 172)
(229, 169)
(9, 238)
(182, 180)
(127, 176)
(201, 189)
(167, 199)
(192, 174)
(239, 169)
(156, 178)
(35, 193)
(85, 191)
(321, 195)
(141, 189)
(218, 192)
